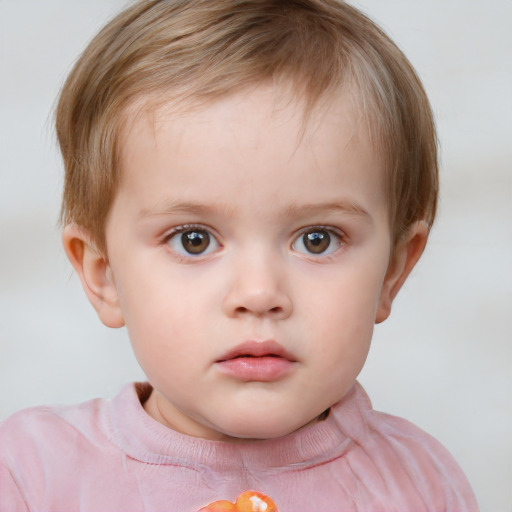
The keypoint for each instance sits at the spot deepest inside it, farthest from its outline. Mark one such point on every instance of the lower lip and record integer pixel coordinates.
(260, 369)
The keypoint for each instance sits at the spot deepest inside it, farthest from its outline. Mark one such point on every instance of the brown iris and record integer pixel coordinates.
(316, 242)
(195, 242)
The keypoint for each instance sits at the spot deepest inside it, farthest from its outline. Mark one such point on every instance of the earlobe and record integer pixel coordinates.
(94, 272)
(404, 258)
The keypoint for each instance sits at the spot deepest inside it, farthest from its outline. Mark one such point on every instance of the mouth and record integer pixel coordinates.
(254, 361)
(258, 349)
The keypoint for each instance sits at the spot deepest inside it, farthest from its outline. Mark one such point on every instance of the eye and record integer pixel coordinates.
(317, 241)
(189, 241)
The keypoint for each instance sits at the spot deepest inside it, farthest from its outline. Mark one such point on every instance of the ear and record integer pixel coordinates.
(94, 272)
(405, 255)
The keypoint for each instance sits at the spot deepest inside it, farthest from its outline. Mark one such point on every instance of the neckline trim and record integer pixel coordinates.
(142, 438)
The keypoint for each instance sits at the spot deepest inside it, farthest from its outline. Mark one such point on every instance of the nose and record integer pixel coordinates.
(258, 288)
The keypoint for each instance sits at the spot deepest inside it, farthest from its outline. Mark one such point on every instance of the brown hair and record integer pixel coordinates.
(203, 49)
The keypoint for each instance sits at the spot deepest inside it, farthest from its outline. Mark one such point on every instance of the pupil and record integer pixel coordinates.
(195, 242)
(317, 241)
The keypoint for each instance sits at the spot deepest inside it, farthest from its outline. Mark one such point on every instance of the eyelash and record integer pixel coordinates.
(183, 229)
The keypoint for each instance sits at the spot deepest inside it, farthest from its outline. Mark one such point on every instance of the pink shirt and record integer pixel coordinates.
(109, 455)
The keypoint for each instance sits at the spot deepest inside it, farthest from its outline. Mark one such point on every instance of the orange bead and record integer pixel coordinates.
(253, 501)
(220, 506)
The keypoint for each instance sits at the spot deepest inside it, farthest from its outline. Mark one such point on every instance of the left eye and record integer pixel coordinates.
(193, 242)
(317, 241)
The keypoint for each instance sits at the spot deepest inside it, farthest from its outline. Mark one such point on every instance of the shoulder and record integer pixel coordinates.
(40, 433)
(46, 448)
(37, 438)
(408, 457)
(46, 431)
(396, 435)
(410, 444)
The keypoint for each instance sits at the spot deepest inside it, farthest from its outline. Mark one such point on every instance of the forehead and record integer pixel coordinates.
(264, 135)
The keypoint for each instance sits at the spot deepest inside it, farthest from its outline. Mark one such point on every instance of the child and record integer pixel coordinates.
(248, 185)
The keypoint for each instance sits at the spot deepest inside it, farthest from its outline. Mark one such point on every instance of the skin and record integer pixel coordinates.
(243, 170)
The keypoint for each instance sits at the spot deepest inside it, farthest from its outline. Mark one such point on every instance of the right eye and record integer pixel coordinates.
(189, 241)
(318, 242)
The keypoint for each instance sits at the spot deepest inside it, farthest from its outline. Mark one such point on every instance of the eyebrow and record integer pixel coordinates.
(293, 210)
(336, 207)
(175, 207)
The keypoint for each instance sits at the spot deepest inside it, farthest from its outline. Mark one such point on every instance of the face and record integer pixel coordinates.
(247, 257)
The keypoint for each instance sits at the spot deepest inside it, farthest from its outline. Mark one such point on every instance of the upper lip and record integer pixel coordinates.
(257, 349)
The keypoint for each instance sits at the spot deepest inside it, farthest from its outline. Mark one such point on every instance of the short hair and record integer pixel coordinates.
(160, 50)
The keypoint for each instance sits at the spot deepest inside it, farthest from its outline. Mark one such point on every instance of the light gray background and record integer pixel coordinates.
(443, 360)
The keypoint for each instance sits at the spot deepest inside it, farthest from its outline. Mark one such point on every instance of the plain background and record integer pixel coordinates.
(443, 360)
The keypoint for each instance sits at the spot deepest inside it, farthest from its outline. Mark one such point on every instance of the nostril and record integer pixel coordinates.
(260, 303)
(274, 310)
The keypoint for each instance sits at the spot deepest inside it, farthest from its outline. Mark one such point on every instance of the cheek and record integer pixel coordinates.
(348, 297)
(340, 315)
(162, 343)
(152, 313)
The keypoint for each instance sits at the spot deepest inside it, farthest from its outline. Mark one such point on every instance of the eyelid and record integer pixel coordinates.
(321, 227)
(182, 228)
(189, 227)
